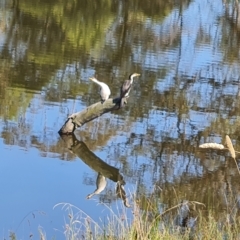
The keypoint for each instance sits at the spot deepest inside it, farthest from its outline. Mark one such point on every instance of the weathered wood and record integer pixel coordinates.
(93, 111)
(68, 127)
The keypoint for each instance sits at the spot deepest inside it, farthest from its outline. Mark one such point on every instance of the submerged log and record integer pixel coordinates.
(93, 111)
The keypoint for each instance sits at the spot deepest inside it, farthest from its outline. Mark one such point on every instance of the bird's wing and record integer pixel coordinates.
(126, 87)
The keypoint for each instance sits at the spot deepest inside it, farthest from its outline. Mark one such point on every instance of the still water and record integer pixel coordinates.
(187, 53)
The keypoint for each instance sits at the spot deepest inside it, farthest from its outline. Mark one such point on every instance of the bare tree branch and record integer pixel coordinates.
(94, 111)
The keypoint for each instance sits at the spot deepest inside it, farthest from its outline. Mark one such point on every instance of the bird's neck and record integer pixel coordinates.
(95, 80)
(131, 79)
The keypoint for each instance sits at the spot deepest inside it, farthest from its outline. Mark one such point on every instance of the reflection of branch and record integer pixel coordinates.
(103, 169)
(94, 162)
(87, 156)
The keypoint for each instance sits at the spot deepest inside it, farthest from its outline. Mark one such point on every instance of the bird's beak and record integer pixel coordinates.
(90, 78)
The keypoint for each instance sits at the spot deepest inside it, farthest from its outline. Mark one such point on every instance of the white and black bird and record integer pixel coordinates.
(104, 89)
(126, 87)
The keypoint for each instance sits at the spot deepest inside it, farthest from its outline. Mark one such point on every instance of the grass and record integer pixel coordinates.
(146, 223)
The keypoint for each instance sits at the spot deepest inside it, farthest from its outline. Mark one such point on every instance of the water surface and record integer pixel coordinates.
(188, 94)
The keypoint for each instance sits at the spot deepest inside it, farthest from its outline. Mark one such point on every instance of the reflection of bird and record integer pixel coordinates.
(101, 183)
(104, 89)
(126, 87)
(120, 191)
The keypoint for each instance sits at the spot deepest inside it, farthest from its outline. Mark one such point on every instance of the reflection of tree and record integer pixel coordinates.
(50, 35)
(47, 36)
(231, 31)
(218, 189)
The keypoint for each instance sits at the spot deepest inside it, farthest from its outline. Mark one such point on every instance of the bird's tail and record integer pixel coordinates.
(122, 102)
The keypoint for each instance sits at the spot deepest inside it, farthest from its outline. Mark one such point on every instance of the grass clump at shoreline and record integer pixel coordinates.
(143, 224)
(147, 224)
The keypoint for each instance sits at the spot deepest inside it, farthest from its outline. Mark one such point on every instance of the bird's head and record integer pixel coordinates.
(92, 79)
(134, 75)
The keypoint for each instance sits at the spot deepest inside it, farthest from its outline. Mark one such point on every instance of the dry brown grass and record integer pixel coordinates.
(230, 147)
(232, 151)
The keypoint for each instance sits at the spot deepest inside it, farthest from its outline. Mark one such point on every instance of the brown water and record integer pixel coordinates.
(187, 94)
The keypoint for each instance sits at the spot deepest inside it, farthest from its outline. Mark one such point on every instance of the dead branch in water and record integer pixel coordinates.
(95, 110)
